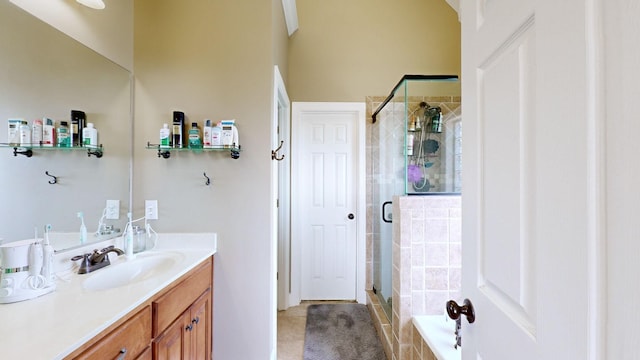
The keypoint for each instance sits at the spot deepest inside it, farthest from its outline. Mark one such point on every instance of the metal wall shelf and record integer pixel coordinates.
(27, 150)
(165, 152)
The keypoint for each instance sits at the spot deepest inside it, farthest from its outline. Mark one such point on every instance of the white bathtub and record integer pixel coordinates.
(438, 332)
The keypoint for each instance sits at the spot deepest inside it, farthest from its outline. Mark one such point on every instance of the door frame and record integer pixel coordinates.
(282, 235)
(296, 249)
(279, 218)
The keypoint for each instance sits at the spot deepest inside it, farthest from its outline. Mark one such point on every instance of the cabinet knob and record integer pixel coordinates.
(196, 320)
(123, 354)
(189, 327)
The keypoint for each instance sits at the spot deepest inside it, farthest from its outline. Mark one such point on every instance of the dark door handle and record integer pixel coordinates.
(350, 216)
(384, 216)
(454, 310)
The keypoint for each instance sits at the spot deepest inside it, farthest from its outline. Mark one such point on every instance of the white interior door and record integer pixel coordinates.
(326, 200)
(529, 174)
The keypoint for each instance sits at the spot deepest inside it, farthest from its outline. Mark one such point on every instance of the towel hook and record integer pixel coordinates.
(208, 182)
(55, 178)
(274, 152)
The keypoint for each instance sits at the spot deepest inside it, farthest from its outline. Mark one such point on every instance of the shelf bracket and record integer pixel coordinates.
(97, 152)
(22, 151)
(164, 153)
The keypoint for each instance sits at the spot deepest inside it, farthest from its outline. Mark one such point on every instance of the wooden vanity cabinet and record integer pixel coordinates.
(175, 324)
(127, 341)
(186, 309)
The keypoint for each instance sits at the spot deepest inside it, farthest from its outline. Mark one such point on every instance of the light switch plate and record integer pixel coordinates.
(151, 209)
(113, 210)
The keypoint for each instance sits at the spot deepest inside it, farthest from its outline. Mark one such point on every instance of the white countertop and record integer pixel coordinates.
(439, 333)
(54, 325)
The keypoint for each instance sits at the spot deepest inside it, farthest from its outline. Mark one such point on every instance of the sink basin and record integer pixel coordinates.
(145, 266)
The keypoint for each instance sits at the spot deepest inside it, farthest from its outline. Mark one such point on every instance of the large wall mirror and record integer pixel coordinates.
(45, 73)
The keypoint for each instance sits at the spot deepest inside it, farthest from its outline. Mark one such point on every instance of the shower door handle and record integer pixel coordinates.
(384, 217)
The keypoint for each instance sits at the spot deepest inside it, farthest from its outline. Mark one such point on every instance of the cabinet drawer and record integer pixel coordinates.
(172, 304)
(133, 337)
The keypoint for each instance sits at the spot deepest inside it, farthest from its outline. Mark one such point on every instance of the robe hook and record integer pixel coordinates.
(274, 155)
(55, 178)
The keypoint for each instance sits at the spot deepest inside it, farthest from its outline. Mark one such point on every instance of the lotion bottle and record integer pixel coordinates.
(90, 136)
(165, 136)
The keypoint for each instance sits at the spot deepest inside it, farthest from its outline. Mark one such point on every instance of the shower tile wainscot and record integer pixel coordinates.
(426, 267)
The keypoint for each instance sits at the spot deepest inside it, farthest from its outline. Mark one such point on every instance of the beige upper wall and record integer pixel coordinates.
(109, 31)
(346, 50)
(280, 39)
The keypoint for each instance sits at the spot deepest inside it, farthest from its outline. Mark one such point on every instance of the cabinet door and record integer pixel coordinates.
(201, 328)
(171, 344)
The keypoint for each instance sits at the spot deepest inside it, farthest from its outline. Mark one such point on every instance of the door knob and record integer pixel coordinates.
(454, 310)
(350, 216)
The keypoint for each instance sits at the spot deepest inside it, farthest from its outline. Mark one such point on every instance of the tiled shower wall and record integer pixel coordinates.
(426, 262)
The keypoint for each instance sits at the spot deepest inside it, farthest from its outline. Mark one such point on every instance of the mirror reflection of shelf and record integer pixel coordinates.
(27, 149)
(165, 152)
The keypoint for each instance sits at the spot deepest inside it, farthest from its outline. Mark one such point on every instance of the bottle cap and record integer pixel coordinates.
(90, 125)
(194, 124)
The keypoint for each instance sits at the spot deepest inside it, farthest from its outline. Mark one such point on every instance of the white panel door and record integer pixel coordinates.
(526, 182)
(326, 167)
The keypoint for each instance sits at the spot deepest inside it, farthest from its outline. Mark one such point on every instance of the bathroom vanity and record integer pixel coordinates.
(161, 309)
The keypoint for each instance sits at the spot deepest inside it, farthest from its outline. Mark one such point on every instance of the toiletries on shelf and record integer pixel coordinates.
(216, 136)
(48, 133)
(206, 134)
(229, 133)
(25, 134)
(165, 136)
(36, 132)
(78, 120)
(64, 138)
(178, 129)
(14, 131)
(194, 137)
(90, 136)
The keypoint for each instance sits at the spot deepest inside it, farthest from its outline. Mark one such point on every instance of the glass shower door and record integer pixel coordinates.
(388, 164)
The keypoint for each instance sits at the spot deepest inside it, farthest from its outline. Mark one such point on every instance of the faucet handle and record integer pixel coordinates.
(110, 247)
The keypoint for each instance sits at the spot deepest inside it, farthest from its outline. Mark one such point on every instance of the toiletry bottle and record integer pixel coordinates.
(47, 249)
(194, 137)
(36, 132)
(25, 134)
(48, 133)
(206, 134)
(216, 136)
(63, 135)
(165, 136)
(178, 129)
(14, 131)
(90, 136)
(78, 119)
(410, 138)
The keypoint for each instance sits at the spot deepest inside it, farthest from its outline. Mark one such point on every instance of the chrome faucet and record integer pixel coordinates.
(96, 260)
